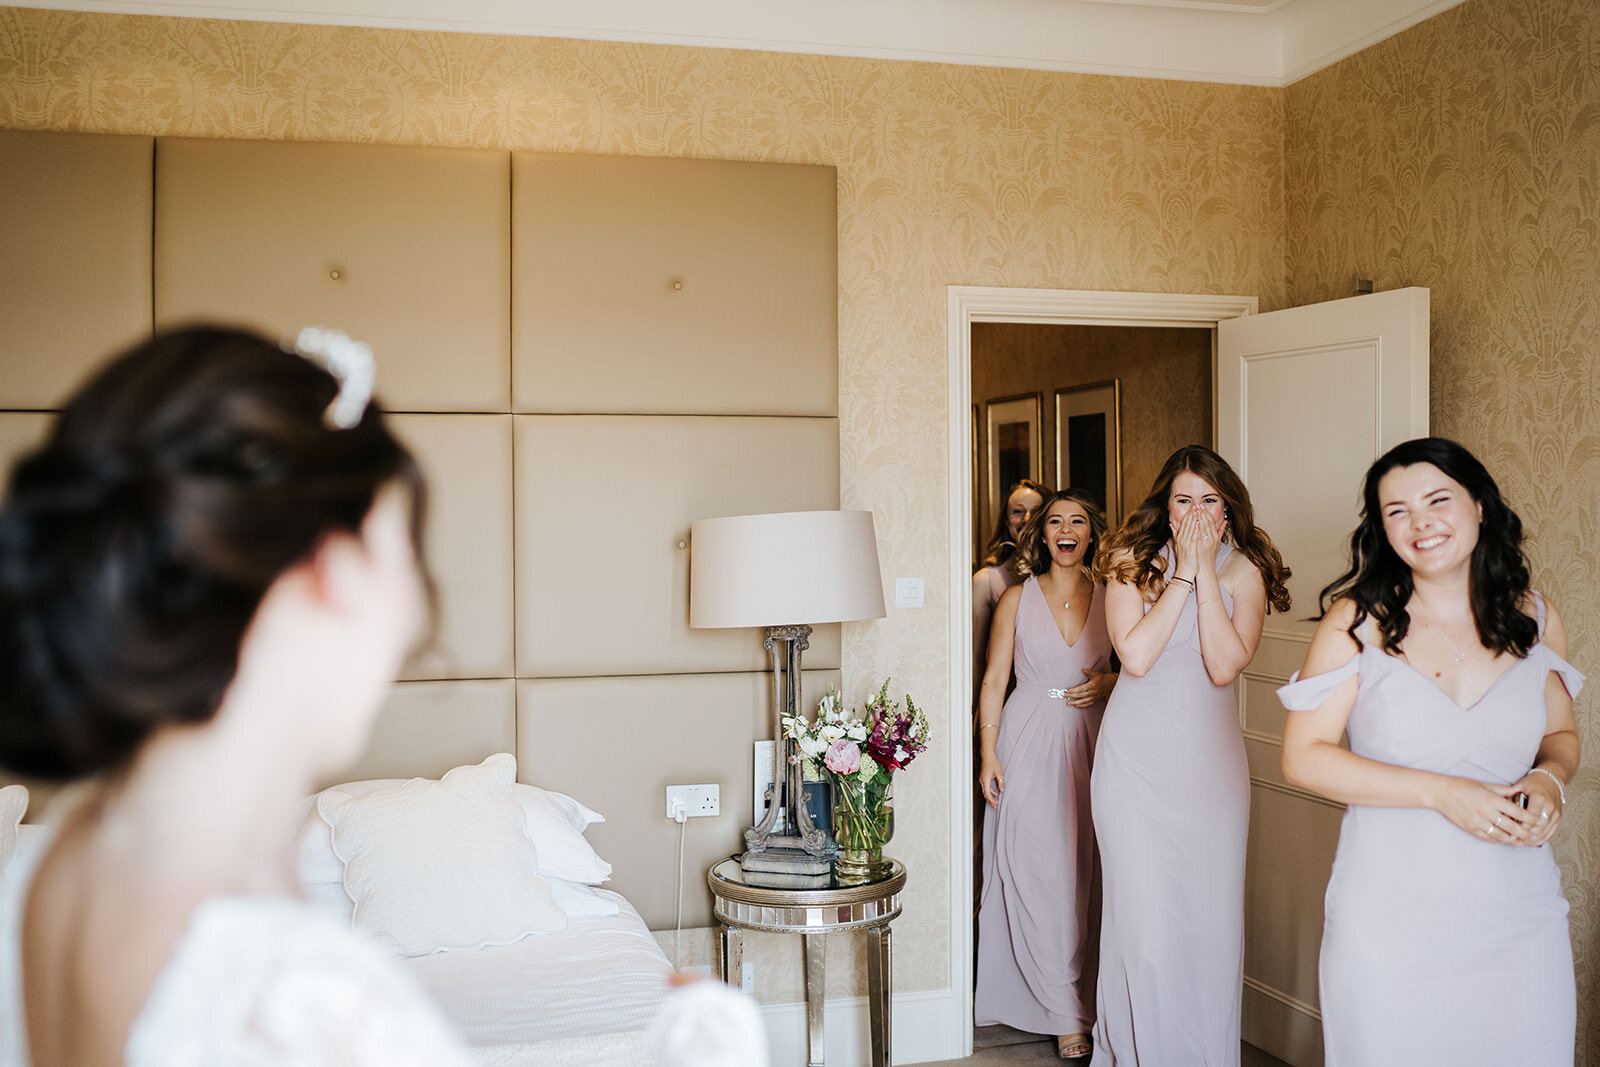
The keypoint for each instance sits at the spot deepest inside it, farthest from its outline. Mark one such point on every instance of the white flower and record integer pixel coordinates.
(869, 768)
(857, 732)
(813, 746)
(900, 754)
(832, 732)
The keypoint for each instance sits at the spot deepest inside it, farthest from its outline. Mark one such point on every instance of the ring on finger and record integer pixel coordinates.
(1544, 814)
(1497, 819)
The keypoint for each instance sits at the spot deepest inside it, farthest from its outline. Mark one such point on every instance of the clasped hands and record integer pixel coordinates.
(1491, 812)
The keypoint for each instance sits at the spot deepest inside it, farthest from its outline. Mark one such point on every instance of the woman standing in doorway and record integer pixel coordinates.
(1039, 919)
(1189, 581)
(1446, 939)
(998, 574)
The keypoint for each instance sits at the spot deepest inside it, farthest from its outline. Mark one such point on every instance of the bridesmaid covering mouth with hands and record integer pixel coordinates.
(1189, 579)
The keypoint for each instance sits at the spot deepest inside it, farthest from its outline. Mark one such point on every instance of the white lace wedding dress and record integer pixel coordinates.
(253, 982)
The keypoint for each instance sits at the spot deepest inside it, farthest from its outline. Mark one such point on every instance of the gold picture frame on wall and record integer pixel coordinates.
(1012, 448)
(1088, 422)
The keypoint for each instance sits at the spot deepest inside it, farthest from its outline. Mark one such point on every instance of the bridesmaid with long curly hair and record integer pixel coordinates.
(1189, 579)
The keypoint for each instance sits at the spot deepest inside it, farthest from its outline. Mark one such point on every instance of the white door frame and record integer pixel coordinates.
(967, 305)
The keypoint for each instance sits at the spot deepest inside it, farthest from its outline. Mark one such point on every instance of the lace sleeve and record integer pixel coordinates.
(256, 982)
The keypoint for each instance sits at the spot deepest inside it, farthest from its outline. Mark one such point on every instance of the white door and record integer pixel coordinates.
(1307, 398)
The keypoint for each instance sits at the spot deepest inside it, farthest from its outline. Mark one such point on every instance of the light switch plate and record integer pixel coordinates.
(908, 592)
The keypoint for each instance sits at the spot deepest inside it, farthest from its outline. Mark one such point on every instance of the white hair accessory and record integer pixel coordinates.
(351, 364)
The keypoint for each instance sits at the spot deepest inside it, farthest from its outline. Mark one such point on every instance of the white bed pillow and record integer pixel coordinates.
(442, 865)
(13, 804)
(555, 821)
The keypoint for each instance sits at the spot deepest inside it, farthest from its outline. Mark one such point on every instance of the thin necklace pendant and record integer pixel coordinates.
(1460, 655)
(1066, 604)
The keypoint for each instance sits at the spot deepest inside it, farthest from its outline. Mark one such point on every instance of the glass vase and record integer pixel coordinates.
(863, 822)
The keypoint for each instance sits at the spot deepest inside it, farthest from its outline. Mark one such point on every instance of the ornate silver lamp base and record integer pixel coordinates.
(803, 848)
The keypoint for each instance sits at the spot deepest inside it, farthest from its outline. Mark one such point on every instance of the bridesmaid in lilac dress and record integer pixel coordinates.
(1038, 921)
(1446, 935)
(1170, 791)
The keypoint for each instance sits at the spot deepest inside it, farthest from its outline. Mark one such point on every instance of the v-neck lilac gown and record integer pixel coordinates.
(1171, 811)
(1439, 946)
(1038, 921)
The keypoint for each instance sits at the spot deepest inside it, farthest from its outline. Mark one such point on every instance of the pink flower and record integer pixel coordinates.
(843, 757)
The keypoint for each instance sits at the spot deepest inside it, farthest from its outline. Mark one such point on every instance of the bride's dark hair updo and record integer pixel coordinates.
(1380, 583)
(138, 540)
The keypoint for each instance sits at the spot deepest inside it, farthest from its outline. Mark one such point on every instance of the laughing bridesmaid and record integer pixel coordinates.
(1038, 921)
(1446, 935)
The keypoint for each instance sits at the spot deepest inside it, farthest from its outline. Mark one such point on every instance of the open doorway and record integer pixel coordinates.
(1094, 407)
(969, 306)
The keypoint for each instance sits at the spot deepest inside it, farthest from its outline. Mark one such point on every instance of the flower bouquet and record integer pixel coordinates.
(858, 753)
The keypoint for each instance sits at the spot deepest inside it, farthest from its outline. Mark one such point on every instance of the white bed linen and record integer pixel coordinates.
(599, 976)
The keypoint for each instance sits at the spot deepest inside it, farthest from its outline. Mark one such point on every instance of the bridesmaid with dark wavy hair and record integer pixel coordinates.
(1189, 579)
(1446, 937)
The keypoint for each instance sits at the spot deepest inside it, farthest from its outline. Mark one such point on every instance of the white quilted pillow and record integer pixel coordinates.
(442, 865)
(13, 803)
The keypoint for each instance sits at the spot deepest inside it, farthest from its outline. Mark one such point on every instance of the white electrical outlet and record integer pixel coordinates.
(699, 801)
(747, 978)
(908, 592)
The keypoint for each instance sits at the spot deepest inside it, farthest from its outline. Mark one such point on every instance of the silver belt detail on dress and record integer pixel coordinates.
(1058, 694)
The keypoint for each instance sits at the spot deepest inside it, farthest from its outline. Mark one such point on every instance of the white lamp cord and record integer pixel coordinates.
(677, 929)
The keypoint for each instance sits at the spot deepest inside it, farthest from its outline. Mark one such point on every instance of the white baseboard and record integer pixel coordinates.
(925, 1027)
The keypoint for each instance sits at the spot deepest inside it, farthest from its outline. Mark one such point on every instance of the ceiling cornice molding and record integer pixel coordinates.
(1271, 44)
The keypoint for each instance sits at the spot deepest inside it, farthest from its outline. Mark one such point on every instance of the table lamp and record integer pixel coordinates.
(785, 572)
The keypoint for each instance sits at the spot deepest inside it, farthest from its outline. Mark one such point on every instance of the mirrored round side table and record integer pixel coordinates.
(742, 902)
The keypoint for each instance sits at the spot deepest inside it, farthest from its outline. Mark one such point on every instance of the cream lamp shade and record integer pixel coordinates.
(785, 569)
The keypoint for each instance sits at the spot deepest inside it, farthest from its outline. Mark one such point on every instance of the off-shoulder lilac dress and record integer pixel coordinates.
(1440, 946)
(1171, 802)
(1039, 917)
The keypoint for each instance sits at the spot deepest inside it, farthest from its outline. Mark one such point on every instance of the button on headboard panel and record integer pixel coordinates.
(404, 248)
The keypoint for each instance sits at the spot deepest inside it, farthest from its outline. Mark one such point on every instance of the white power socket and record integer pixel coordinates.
(699, 801)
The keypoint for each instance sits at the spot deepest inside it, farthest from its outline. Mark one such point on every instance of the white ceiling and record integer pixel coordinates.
(1251, 42)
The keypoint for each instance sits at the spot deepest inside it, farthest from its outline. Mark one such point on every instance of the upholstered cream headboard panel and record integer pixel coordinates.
(74, 257)
(467, 462)
(685, 286)
(405, 248)
(606, 592)
(647, 733)
(561, 503)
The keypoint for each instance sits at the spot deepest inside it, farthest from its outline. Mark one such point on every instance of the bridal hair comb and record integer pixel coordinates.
(350, 363)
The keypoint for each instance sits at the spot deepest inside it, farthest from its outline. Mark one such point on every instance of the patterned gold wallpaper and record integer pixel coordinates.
(1464, 155)
(947, 176)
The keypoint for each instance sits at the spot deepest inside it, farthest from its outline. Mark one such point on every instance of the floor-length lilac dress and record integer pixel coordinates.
(1039, 918)
(1440, 946)
(1171, 802)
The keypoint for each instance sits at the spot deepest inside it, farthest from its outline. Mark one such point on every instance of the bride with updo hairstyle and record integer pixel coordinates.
(210, 572)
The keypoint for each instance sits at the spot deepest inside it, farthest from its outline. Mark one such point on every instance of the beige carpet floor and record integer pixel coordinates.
(1001, 1046)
